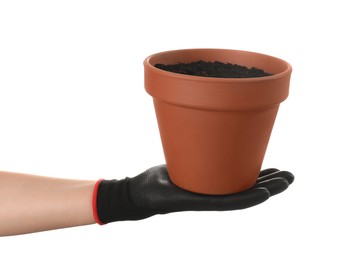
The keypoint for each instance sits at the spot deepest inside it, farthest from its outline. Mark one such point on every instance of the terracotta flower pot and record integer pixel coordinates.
(215, 131)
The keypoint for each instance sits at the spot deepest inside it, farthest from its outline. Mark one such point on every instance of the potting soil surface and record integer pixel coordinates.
(215, 69)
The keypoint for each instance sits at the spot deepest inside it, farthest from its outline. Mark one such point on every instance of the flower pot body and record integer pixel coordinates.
(215, 131)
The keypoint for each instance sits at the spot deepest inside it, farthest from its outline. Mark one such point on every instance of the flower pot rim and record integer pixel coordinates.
(147, 63)
(218, 93)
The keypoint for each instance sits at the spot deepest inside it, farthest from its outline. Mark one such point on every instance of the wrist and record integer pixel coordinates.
(94, 202)
(113, 201)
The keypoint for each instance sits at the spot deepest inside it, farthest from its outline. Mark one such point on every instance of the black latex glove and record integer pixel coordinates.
(152, 192)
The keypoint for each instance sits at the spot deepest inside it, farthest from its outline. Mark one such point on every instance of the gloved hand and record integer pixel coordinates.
(152, 192)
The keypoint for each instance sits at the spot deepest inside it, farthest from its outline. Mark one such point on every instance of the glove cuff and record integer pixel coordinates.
(94, 202)
(113, 201)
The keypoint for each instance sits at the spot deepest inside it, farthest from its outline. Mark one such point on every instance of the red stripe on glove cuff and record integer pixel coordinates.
(94, 203)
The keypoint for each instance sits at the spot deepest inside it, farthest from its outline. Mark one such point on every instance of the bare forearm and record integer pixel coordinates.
(30, 203)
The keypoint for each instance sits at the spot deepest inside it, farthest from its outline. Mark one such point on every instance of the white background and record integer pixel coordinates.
(73, 105)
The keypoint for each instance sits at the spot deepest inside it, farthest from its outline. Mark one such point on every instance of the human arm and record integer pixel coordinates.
(31, 203)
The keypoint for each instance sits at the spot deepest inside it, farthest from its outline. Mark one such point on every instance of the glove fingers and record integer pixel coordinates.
(274, 185)
(246, 199)
(267, 171)
(276, 174)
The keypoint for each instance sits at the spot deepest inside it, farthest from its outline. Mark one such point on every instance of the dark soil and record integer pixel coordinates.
(214, 69)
